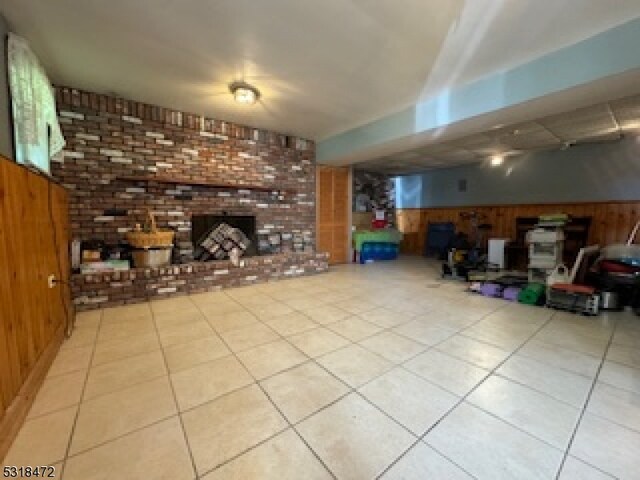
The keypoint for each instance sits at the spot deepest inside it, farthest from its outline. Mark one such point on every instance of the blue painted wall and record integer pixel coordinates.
(598, 172)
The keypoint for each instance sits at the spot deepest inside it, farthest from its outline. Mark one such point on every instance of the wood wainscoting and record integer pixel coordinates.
(333, 195)
(612, 222)
(34, 240)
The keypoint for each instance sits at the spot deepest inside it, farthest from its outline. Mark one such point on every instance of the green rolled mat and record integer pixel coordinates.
(531, 294)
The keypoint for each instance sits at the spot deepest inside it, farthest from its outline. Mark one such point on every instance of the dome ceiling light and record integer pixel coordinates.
(244, 93)
(497, 160)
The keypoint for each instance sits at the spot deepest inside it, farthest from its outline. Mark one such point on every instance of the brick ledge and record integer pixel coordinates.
(97, 290)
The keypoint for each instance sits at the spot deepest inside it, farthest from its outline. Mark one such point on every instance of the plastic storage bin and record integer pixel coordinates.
(372, 251)
(151, 257)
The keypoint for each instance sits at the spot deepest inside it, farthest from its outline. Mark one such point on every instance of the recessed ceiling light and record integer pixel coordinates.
(497, 160)
(244, 93)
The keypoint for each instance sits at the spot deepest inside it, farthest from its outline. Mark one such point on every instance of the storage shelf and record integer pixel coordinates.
(200, 183)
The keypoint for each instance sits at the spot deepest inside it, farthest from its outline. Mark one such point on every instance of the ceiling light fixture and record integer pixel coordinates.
(497, 160)
(244, 93)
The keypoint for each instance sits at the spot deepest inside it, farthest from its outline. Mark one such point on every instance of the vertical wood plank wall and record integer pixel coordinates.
(611, 221)
(32, 315)
(334, 207)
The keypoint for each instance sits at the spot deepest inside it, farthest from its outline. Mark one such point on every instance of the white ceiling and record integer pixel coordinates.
(605, 122)
(322, 66)
(495, 35)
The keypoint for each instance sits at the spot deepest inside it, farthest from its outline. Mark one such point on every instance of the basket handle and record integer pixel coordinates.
(152, 221)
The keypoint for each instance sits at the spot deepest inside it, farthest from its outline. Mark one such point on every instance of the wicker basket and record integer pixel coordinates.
(152, 238)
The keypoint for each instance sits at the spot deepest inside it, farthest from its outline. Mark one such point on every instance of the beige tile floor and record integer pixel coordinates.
(377, 371)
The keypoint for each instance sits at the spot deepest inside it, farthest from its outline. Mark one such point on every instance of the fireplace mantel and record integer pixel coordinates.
(200, 183)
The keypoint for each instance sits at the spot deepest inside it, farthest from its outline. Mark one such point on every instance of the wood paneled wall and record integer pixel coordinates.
(611, 221)
(34, 239)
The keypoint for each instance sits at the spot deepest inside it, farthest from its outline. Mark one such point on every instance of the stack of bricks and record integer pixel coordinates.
(109, 139)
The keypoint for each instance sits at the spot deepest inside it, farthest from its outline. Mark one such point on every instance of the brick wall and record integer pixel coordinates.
(110, 138)
(117, 288)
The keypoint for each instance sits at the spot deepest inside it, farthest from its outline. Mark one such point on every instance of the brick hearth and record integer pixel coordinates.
(108, 289)
(109, 140)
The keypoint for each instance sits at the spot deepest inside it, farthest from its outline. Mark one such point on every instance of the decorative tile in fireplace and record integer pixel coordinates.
(203, 225)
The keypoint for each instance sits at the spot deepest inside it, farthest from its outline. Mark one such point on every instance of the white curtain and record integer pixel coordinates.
(36, 129)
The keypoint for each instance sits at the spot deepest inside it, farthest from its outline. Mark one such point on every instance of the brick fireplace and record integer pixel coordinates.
(124, 157)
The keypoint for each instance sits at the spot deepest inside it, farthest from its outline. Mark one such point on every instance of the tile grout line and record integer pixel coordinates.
(229, 354)
(609, 420)
(558, 366)
(292, 426)
(173, 391)
(354, 390)
(609, 475)
(492, 371)
(571, 348)
(464, 397)
(586, 403)
(117, 390)
(122, 435)
(241, 453)
(178, 412)
(120, 389)
(313, 360)
(435, 347)
(232, 353)
(289, 425)
(81, 400)
(541, 392)
(429, 348)
(420, 438)
(350, 390)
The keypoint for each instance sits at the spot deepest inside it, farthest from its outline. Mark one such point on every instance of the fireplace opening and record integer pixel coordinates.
(202, 226)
